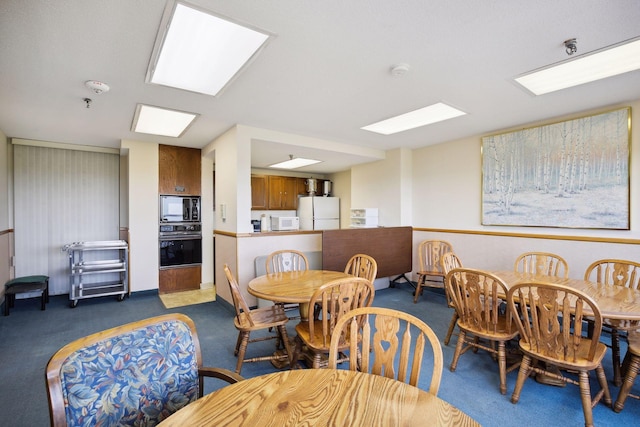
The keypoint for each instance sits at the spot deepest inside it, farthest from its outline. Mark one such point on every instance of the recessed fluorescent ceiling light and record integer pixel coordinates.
(584, 69)
(413, 119)
(159, 121)
(295, 163)
(201, 52)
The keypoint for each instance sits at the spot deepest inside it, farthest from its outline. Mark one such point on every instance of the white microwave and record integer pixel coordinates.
(285, 223)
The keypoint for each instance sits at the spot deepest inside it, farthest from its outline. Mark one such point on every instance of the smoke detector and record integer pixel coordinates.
(399, 69)
(96, 86)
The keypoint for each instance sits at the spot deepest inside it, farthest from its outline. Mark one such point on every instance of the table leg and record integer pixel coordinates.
(304, 312)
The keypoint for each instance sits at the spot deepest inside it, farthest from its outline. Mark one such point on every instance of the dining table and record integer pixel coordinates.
(615, 302)
(293, 286)
(319, 397)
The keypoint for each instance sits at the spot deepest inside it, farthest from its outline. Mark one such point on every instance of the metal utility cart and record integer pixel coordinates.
(98, 269)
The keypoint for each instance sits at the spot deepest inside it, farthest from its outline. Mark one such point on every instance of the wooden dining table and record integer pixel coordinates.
(293, 286)
(322, 397)
(615, 302)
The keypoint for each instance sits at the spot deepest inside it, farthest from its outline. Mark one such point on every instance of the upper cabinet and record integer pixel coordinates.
(259, 192)
(179, 170)
(272, 192)
(283, 192)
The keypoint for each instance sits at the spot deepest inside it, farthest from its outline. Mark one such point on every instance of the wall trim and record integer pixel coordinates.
(62, 146)
(627, 241)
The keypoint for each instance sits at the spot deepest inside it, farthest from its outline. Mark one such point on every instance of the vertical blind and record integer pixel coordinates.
(61, 196)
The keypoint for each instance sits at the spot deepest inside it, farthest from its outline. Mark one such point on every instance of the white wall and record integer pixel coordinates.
(143, 214)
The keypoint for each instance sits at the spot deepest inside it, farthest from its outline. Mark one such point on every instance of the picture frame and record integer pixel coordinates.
(569, 174)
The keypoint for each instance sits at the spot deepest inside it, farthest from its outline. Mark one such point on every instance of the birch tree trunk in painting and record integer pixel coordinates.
(503, 165)
(563, 156)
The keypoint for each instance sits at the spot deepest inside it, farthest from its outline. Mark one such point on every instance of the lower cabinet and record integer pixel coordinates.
(180, 279)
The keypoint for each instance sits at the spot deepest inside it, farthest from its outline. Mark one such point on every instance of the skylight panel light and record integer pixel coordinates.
(160, 121)
(414, 119)
(298, 162)
(601, 64)
(201, 52)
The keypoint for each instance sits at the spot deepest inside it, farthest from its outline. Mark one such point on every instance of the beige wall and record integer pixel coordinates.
(447, 195)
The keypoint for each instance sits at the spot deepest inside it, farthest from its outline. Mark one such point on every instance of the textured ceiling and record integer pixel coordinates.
(324, 75)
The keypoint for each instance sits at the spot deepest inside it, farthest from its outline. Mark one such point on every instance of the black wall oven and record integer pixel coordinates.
(180, 245)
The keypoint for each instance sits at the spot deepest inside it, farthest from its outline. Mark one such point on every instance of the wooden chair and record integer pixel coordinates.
(450, 261)
(247, 321)
(478, 298)
(134, 374)
(429, 254)
(335, 298)
(361, 265)
(386, 342)
(287, 260)
(616, 272)
(550, 321)
(632, 366)
(542, 263)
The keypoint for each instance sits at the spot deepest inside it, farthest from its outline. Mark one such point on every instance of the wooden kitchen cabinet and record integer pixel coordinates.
(179, 279)
(259, 192)
(179, 169)
(283, 192)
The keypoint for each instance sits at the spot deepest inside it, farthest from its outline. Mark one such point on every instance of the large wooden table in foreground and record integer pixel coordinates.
(615, 302)
(319, 397)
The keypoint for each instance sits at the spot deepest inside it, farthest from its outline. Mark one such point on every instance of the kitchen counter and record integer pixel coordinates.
(268, 233)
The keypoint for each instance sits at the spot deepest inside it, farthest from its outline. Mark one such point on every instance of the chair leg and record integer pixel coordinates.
(452, 325)
(416, 295)
(523, 374)
(502, 366)
(317, 359)
(629, 379)
(458, 352)
(242, 350)
(287, 345)
(615, 357)
(604, 394)
(297, 349)
(585, 394)
(238, 341)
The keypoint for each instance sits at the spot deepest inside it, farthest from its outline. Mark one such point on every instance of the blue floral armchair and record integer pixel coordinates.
(133, 375)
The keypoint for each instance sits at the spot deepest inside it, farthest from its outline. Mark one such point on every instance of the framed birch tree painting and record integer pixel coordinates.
(571, 174)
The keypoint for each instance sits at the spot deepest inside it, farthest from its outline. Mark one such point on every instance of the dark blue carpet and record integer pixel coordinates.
(29, 337)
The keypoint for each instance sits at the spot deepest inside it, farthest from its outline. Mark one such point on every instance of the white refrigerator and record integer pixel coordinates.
(319, 213)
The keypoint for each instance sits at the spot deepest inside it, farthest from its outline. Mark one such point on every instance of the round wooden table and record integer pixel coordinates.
(614, 302)
(323, 397)
(292, 286)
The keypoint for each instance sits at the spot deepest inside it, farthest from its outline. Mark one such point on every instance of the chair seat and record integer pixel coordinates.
(430, 273)
(502, 332)
(262, 318)
(302, 329)
(581, 361)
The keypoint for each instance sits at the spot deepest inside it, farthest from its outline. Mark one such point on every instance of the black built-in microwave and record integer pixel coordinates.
(179, 209)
